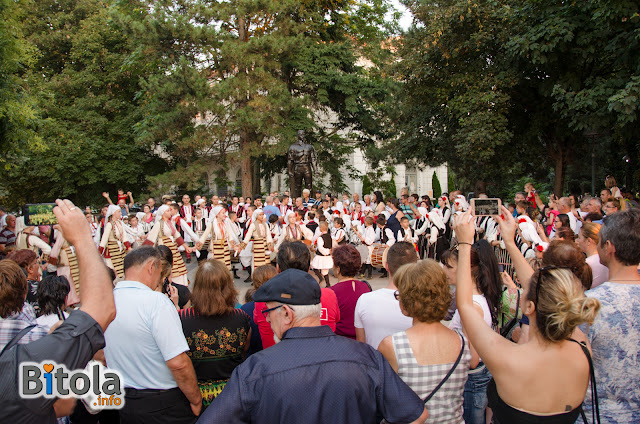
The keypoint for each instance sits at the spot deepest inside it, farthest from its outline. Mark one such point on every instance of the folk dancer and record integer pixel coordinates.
(293, 231)
(223, 238)
(367, 237)
(258, 233)
(114, 244)
(165, 233)
(322, 262)
(63, 255)
(187, 212)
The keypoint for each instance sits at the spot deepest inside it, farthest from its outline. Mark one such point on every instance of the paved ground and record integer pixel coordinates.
(242, 287)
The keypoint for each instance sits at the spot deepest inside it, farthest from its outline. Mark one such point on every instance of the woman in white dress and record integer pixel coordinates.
(223, 237)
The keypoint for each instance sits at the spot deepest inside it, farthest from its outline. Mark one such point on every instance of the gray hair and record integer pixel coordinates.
(622, 229)
(307, 311)
(306, 190)
(597, 200)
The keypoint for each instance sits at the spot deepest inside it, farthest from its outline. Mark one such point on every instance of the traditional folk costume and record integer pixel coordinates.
(323, 262)
(223, 239)
(165, 233)
(339, 234)
(366, 248)
(114, 243)
(407, 235)
(26, 240)
(134, 235)
(64, 256)
(295, 232)
(187, 212)
(199, 227)
(259, 234)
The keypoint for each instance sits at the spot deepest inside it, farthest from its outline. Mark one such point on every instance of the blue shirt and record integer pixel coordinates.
(145, 334)
(314, 376)
(270, 210)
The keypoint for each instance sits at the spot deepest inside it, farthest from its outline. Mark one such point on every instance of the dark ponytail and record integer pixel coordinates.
(485, 271)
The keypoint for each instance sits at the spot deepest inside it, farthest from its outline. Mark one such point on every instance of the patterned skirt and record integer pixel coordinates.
(260, 254)
(179, 268)
(220, 249)
(117, 257)
(74, 269)
(210, 389)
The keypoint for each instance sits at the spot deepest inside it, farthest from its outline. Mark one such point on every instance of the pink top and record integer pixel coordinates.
(347, 299)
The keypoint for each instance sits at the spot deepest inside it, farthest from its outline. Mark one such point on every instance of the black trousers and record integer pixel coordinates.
(301, 179)
(156, 407)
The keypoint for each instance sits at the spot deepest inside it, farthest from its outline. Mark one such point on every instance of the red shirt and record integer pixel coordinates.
(330, 316)
(347, 298)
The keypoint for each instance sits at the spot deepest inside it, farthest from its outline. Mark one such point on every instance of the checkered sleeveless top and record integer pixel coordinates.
(445, 406)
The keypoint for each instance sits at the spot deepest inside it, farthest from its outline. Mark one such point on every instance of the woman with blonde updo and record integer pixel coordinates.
(546, 379)
(588, 241)
(424, 295)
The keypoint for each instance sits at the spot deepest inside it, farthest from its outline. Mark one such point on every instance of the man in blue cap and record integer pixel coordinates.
(311, 375)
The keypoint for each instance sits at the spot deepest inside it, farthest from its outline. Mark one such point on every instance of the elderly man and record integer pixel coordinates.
(311, 375)
(307, 201)
(564, 206)
(146, 344)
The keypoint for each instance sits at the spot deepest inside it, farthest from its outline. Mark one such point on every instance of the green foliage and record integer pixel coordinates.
(87, 105)
(254, 72)
(435, 184)
(18, 114)
(504, 89)
(376, 180)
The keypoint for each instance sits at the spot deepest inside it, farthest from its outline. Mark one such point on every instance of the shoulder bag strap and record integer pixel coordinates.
(446, 377)
(595, 411)
(16, 338)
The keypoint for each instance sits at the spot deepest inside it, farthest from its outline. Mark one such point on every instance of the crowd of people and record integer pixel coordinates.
(528, 315)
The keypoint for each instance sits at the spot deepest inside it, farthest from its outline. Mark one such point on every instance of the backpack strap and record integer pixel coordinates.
(14, 341)
(446, 377)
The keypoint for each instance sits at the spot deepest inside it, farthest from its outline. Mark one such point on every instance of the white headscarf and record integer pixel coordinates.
(140, 216)
(199, 202)
(435, 216)
(286, 216)
(214, 212)
(161, 210)
(111, 210)
(462, 202)
(255, 214)
(424, 213)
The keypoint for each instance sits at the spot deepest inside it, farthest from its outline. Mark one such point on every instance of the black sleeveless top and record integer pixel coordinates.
(504, 413)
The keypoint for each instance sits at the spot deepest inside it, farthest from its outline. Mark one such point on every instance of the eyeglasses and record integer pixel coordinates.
(396, 294)
(265, 312)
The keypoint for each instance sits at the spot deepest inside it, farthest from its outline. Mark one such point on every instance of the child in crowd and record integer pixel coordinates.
(406, 233)
(323, 262)
(337, 233)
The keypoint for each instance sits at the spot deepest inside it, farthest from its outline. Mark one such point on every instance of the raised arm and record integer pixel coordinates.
(508, 227)
(96, 289)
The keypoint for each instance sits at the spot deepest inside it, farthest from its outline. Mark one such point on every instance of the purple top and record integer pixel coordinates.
(347, 299)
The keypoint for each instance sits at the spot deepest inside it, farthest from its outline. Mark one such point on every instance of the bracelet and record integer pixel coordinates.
(464, 242)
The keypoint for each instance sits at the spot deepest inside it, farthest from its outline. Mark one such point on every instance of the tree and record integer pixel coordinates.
(435, 184)
(495, 89)
(252, 73)
(18, 114)
(87, 104)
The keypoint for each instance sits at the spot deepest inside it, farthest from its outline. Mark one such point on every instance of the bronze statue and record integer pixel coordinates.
(301, 164)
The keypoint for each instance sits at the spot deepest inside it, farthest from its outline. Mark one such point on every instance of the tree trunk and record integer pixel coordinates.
(559, 167)
(255, 175)
(245, 166)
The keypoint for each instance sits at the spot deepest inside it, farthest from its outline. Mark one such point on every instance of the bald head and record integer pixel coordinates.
(564, 205)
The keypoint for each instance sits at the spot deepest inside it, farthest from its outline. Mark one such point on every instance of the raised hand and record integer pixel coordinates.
(73, 224)
(465, 227)
(507, 224)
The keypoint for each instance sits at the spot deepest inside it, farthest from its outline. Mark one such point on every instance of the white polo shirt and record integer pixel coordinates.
(145, 334)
